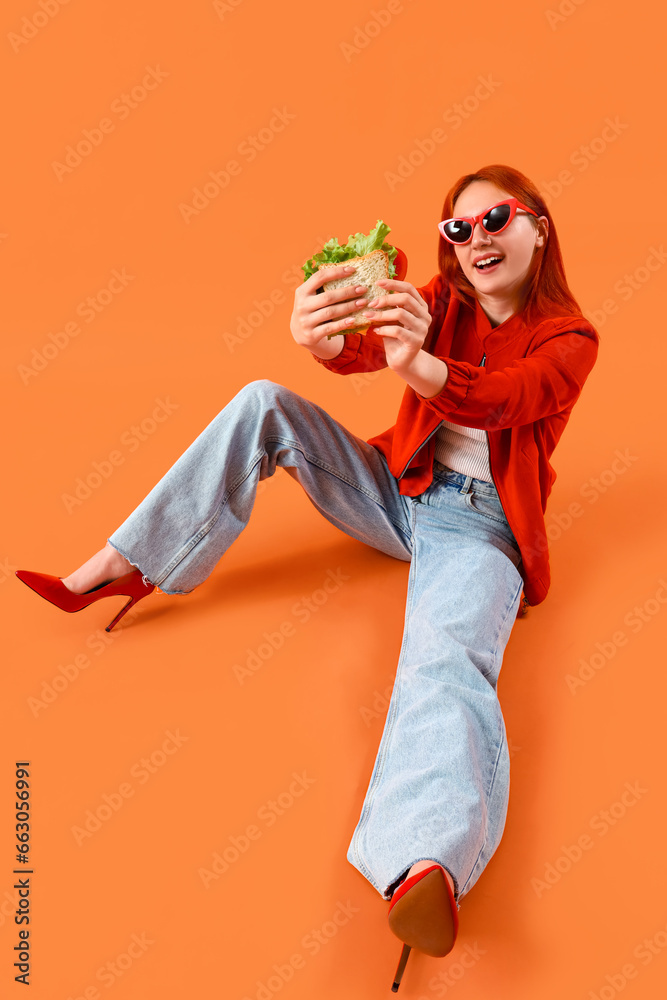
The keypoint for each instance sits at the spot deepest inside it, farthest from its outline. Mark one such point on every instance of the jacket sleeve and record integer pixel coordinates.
(546, 382)
(362, 352)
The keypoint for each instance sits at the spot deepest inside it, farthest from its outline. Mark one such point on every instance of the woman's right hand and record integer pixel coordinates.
(316, 315)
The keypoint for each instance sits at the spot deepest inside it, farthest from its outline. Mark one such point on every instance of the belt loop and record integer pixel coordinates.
(465, 488)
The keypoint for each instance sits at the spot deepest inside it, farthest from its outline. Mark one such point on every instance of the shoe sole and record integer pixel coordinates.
(423, 919)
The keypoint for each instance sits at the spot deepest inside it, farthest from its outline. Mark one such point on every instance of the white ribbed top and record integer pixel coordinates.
(463, 449)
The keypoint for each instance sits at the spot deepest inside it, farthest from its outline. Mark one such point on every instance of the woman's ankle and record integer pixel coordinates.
(116, 563)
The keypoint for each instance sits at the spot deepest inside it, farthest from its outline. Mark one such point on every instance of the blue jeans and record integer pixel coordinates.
(440, 784)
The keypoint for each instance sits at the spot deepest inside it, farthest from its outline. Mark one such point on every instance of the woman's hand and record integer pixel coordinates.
(316, 315)
(402, 320)
(403, 326)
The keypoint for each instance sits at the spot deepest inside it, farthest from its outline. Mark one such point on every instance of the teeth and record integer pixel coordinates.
(488, 260)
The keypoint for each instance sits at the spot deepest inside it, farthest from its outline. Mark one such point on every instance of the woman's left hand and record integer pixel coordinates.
(403, 326)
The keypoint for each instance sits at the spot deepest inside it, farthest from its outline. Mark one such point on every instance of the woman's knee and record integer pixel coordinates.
(263, 393)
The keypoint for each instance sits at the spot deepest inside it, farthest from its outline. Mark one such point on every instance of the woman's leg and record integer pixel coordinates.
(440, 784)
(180, 530)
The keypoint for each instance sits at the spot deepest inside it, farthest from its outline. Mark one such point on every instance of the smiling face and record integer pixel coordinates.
(499, 286)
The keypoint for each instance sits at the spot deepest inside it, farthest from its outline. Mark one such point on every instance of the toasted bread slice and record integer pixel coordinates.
(370, 267)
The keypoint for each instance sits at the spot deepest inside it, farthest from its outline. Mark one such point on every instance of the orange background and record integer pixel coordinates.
(317, 705)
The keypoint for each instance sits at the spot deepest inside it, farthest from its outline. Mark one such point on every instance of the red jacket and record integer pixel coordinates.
(517, 382)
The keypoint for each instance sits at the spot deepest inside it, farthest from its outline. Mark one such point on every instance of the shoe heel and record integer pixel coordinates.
(402, 962)
(132, 600)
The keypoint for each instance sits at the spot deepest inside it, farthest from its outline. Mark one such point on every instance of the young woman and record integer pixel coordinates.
(494, 352)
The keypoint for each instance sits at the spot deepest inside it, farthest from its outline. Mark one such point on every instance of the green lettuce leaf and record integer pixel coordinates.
(356, 246)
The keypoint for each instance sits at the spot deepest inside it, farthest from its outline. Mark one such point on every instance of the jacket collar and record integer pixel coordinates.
(494, 337)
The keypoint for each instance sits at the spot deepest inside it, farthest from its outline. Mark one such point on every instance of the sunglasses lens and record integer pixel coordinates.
(496, 218)
(458, 231)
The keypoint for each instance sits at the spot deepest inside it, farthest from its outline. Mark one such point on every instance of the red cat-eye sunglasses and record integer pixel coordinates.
(492, 220)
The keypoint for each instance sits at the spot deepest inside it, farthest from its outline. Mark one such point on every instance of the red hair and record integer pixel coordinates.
(545, 290)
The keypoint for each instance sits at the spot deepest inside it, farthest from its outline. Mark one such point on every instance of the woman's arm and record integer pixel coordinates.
(425, 373)
(546, 382)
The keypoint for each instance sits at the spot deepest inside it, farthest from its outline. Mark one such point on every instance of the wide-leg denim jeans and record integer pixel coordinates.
(440, 784)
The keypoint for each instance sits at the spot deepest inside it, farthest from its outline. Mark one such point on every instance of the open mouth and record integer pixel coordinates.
(488, 264)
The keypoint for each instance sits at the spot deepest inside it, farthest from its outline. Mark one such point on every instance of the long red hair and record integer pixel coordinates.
(546, 290)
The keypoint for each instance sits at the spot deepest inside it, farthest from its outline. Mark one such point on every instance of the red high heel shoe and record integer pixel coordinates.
(52, 589)
(423, 915)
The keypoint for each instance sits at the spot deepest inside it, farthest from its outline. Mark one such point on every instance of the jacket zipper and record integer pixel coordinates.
(430, 435)
(419, 449)
(481, 364)
(524, 605)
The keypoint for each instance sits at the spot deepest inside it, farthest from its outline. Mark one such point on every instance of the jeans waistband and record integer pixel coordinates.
(442, 472)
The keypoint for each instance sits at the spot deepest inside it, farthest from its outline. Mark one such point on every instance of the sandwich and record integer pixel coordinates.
(373, 259)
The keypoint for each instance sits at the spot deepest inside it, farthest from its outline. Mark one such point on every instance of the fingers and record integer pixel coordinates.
(330, 329)
(335, 297)
(405, 288)
(322, 275)
(403, 294)
(398, 286)
(312, 295)
(324, 313)
(395, 321)
(330, 320)
(316, 315)
(392, 307)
